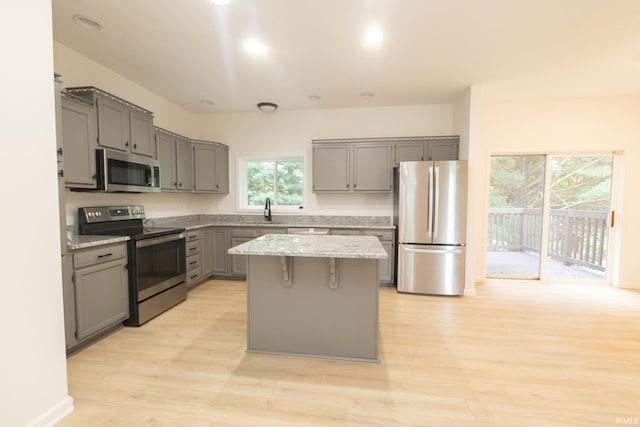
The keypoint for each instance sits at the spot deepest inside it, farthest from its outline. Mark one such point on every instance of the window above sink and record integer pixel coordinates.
(281, 179)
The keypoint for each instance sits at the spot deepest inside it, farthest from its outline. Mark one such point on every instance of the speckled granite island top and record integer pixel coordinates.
(316, 246)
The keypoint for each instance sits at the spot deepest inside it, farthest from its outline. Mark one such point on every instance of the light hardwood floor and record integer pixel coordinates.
(518, 354)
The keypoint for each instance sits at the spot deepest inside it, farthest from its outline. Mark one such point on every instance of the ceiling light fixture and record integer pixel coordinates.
(373, 36)
(314, 97)
(255, 47)
(221, 2)
(86, 22)
(267, 107)
(366, 95)
(207, 101)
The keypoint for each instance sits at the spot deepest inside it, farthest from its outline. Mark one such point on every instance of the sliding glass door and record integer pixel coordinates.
(549, 217)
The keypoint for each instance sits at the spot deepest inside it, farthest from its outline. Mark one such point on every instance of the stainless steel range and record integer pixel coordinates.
(156, 258)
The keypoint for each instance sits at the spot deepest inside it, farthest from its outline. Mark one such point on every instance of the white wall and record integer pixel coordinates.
(289, 133)
(603, 124)
(33, 385)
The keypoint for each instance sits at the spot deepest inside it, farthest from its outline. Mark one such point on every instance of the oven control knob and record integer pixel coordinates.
(98, 213)
(90, 214)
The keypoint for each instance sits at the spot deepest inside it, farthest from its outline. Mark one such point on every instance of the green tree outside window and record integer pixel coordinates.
(279, 180)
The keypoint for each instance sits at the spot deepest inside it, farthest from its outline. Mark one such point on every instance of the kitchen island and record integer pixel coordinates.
(313, 295)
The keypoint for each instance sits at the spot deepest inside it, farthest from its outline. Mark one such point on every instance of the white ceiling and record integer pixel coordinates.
(190, 50)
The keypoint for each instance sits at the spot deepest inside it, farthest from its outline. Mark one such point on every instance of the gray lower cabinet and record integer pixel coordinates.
(351, 167)
(429, 148)
(386, 237)
(215, 260)
(78, 129)
(194, 257)
(96, 292)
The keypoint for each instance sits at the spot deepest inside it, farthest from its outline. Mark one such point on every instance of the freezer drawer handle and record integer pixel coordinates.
(434, 251)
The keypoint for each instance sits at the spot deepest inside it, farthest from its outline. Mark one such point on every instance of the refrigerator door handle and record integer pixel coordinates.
(432, 251)
(430, 205)
(436, 201)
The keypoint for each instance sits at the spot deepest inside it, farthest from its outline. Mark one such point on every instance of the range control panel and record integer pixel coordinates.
(109, 213)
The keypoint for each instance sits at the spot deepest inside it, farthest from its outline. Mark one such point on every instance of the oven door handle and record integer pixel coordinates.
(159, 240)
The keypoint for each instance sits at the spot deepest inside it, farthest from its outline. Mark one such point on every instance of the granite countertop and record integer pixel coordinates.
(193, 222)
(78, 241)
(315, 246)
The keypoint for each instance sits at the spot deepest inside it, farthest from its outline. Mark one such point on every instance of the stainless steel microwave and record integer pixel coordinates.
(119, 172)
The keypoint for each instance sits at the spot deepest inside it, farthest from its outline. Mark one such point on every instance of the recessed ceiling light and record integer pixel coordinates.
(221, 2)
(373, 36)
(207, 101)
(86, 22)
(255, 47)
(314, 97)
(366, 95)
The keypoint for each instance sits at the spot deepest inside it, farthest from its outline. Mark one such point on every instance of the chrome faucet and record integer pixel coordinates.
(267, 209)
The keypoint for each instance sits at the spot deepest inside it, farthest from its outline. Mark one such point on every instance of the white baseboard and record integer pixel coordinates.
(54, 414)
(628, 285)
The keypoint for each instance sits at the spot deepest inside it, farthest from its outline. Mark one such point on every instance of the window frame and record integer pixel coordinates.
(241, 203)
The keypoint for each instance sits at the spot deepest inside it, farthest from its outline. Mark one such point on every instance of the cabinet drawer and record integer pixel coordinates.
(192, 235)
(193, 261)
(99, 255)
(194, 276)
(244, 232)
(380, 234)
(193, 247)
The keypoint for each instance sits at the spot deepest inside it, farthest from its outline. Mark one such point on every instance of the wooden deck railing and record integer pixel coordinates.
(575, 237)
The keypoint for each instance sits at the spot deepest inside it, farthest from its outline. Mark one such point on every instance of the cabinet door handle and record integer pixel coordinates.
(104, 256)
(60, 151)
(193, 262)
(61, 174)
(126, 144)
(135, 146)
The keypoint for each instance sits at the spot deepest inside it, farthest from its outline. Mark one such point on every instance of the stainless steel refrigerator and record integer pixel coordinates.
(430, 213)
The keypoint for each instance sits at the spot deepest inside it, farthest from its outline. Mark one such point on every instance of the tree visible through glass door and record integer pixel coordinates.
(516, 196)
(580, 202)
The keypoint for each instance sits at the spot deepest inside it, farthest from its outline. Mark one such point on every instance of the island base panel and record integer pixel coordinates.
(308, 317)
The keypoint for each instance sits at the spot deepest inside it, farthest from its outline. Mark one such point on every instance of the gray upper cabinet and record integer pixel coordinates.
(371, 167)
(427, 148)
(210, 167)
(175, 156)
(184, 165)
(331, 168)
(166, 156)
(121, 124)
(187, 165)
(442, 150)
(78, 142)
(349, 167)
(141, 133)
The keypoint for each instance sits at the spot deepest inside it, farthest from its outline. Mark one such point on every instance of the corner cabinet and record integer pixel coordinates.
(351, 167)
(121, 125)
(210, 167)
(174, 153)
(190, 165)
